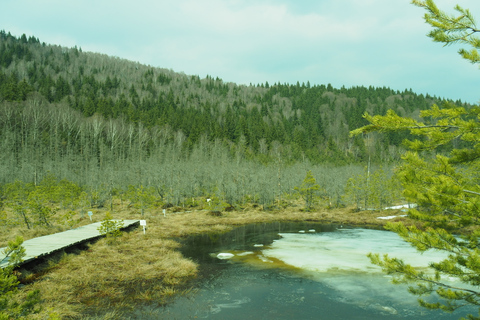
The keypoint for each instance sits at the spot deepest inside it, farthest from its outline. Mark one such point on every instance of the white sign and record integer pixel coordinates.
(143, 223)
(164, 211)
(90, 213)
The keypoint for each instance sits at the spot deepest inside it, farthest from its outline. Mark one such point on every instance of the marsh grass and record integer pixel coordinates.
(104, 281)
(118, 277)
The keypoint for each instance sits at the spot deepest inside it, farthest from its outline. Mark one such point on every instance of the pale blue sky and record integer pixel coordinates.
(342, 42)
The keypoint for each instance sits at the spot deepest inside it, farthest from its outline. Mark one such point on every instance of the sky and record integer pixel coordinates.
(342, 42)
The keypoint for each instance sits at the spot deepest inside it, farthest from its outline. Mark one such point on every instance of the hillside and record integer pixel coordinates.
(107, 122)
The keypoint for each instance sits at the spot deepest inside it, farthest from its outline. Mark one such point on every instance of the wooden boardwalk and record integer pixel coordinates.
(46, 245)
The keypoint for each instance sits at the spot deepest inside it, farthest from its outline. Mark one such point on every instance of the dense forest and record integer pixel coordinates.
(107, 123)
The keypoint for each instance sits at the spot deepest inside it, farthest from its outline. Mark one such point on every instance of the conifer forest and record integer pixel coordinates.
(109, 125)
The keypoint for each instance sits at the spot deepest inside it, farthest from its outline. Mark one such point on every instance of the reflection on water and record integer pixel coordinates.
(249, 293)
(273, 271)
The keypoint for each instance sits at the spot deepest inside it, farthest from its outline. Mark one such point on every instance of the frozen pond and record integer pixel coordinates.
(297, 271)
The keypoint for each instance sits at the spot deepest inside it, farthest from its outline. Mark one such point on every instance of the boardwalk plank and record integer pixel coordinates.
(46, 245)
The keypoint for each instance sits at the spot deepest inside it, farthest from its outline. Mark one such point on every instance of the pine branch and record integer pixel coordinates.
(444, 285)
(471, 192)
(450, 29)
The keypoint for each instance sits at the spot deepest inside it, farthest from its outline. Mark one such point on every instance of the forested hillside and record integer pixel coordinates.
(105, 121)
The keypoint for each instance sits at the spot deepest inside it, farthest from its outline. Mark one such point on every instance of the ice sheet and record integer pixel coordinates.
(339, 260)
(345, 250)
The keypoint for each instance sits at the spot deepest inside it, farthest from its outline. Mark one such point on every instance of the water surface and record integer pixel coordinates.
(297, 270)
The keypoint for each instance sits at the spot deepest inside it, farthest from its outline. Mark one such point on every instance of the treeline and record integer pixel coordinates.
(38, 138)
(306, 122)
(53, 201)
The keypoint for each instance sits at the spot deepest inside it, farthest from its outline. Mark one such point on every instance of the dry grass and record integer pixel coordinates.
(105, 281)
(136, 270)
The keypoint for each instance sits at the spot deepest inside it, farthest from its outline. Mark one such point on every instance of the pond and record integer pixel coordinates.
(297, 271)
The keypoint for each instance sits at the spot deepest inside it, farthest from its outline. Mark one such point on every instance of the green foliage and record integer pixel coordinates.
(16, 194)
(133, 103)
(99, 194)
(372, 190)
(111, 229)
(37, 205)
(214, 203)
(10, 307)
(451, 29)
(4, 218)
(142, 198)
(68, 219)
(309, 190)
(42, 212)
(22, 213)
(110, 124)
(14, 252)
(443, 184)
(82, 203)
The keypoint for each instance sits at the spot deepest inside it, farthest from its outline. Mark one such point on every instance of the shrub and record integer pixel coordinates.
(110, 228)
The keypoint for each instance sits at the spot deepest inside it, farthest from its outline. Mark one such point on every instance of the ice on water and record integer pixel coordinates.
(344, 250)
(339, 260)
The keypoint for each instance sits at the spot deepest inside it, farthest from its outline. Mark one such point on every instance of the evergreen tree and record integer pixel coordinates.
(111, 229)
(309, 190)
(10, 308)
(141, 198)
(444, 185)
